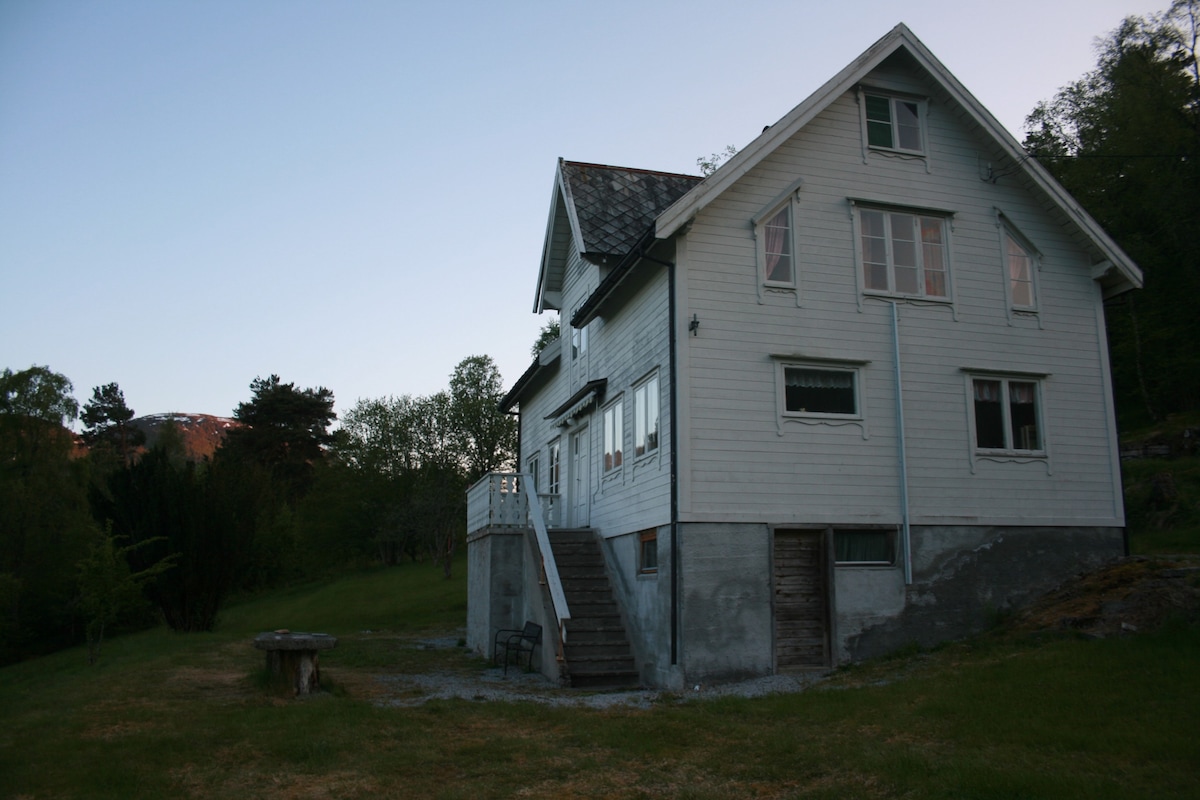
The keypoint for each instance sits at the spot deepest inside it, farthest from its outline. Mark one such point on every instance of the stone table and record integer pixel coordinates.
(294, 657)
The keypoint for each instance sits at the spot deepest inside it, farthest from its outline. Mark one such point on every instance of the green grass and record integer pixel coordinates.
(1003, 716)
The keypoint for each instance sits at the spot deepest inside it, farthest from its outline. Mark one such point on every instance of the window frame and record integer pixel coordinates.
(1008, 451)
(648, 543)
(649, 390)
(894, 100)
(945, 220)
(891, 535)
(613, 434)
(786, 204)
(554, 478)
(1010, 233)
(845, 368)
(783, 418)
(579, 342)
(533, 468)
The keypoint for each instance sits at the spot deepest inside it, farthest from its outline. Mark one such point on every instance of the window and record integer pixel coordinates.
(555, 467)
(903, 253)
(864, 546)
(614, 434)
(777, 248)
(645, 416)
(1019, 261)
(893, 123)
(1006, 415)
(818, 390)
(579, 341)
(648, 551)
(534, 469)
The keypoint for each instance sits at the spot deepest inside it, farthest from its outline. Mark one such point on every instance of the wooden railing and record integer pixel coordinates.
(497, 500)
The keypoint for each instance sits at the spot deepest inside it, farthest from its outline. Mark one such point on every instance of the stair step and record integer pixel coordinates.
(597, 651)
(610, 621)
(576, 651)
(595, 638)
(571, 535)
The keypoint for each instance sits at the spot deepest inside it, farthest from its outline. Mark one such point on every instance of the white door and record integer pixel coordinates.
(580, 479)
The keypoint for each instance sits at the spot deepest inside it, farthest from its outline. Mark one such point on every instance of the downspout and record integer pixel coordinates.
(905, 542)
(674, 403)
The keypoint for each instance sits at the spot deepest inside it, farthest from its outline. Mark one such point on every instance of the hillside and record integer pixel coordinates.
(202, 433)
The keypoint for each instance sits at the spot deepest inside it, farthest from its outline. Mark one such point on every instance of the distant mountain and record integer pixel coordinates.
(202, 433)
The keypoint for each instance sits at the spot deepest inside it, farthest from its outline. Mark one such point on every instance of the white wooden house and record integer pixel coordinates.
(849, 392)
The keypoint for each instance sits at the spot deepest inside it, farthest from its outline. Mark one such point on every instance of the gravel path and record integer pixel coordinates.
(517, 686)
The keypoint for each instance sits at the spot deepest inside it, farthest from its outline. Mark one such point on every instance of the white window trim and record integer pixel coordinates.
(617, 405)
(533, 468)
(1012, 311)
(1007, 455)
(553, 481)
(788, 199)
(854, 367)
(856, 206)
(643, 386)
(893, 97)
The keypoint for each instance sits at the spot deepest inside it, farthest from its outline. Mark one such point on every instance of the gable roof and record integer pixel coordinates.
(1114, 269)
(604, 210)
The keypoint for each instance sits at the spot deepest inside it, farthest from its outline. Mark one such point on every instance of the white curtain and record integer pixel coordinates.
(818, 379)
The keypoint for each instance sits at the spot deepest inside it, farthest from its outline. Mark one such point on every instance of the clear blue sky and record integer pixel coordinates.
(354, 194)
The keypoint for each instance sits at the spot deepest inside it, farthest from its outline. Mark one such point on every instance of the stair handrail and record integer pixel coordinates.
(558, 598)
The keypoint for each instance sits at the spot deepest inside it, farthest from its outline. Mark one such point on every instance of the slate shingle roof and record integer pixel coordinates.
(616, 205)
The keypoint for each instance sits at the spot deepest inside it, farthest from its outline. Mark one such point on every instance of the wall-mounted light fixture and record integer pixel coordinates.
(694, 325)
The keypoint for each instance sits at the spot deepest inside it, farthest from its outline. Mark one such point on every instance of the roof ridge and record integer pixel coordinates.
(634, 169)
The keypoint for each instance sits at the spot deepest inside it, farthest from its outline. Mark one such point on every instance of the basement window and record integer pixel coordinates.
(648, 552)
(864, 547)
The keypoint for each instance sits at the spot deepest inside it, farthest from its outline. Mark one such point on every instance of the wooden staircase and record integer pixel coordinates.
(597, 651)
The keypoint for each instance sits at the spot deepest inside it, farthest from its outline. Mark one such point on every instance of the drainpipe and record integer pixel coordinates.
(674, 468)
(906, 543)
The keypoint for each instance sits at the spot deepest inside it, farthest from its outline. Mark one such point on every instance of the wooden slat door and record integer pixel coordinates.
(801, 601)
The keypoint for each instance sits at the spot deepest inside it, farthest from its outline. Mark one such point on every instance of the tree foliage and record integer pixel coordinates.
(202, 517)
(485, 436)
(44, 523)
(284, 429)
(710, 164)
(549, 332)
(397, 483)
(106, 422)
(1125, 140)
(38, 393)
(108, 588)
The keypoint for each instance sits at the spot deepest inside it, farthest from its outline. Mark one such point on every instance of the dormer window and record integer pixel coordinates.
(894, 123)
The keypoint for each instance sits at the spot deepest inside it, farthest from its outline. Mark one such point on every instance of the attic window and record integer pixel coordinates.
(1021, 265)
(777, 248)
(894, 123)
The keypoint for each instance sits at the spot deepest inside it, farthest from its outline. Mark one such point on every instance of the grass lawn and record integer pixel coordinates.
(1002, 716)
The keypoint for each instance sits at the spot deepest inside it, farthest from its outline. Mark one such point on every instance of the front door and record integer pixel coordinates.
(580, 479)
(801, 601)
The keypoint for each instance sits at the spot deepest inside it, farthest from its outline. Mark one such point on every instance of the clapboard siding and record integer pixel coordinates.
(629, 345)
(746, 465)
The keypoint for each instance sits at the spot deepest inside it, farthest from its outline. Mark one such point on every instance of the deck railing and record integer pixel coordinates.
(498, 500)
